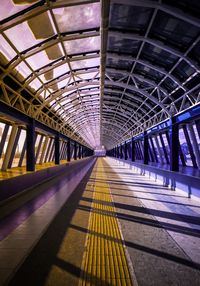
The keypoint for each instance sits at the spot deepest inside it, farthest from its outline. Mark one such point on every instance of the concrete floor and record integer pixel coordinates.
(160, 229)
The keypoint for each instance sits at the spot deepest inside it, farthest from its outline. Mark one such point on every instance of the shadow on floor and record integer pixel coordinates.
(35, 269)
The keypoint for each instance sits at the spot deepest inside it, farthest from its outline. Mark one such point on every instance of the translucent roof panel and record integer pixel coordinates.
(21, 36)
(61, 70)
(38, 60)
(119, 63)
(119, 44)
(158, 56)
(85, 76)
(89, 92)
(11, 7)
(64, 83)
(130, 17)
(85, 63)
(6, 49)
(23, 69)
(36, 84)
(174, 31)
(55, 73)
(78, 17)
(82, 45)
(183, 71)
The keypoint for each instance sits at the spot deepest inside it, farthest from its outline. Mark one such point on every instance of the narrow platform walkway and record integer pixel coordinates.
(105, 261)
(18, 171)
(117, 228)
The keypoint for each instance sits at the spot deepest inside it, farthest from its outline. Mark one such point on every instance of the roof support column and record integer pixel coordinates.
(75, 150)
(146, 148)
(174, 145)
(68, 150)
(79, 151)
(57, 149)
(121, 153)
(132, 150)
(125, 151)
(30, 143)
(82, 152)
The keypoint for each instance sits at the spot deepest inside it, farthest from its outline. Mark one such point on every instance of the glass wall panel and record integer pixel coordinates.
(156, 149)
(5, 143)
(161, 151)
(19, 148)
(184, 148)
(39, 148)
(196, 134)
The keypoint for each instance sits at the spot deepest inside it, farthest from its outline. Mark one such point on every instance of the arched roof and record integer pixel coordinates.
(100, 71)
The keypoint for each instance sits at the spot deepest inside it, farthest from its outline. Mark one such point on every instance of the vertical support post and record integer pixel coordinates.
(146, 148)
(79, 151)
(75, 150)
(30, 146)
(57, 149)
(174, 145)
(121, 154)
(125, 151)
(82, 152)
(68, 150)
(132, 150)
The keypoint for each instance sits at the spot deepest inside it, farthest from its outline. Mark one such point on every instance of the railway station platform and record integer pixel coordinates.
(101, 224)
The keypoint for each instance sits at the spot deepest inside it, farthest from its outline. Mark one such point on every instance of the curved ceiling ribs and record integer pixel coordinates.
(100, 72)
(52, 48)
(151, 64)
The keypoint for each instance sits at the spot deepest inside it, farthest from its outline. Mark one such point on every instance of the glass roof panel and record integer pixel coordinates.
(82, 45)
(22, 37)
(78, 17)
(119, 63)
(64, 82)
(23, 69)
(85, 63)
(6, 49)
(174, 31)
(89, 75)
(183, 71)
(35, 84)
(158, 56)
(38, 60)
(123, 45)
(88, 92)
(61, 70)
(55, 73)
(44, 93)
(8, 8)
(130, 17)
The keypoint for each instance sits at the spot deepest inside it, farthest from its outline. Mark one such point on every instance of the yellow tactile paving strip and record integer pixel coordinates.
(104, 261)
(17, 171)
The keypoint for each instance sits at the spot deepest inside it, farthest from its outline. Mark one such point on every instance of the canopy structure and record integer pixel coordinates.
(100, 71)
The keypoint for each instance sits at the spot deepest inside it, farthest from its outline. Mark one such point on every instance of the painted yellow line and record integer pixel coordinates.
(104, 261)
